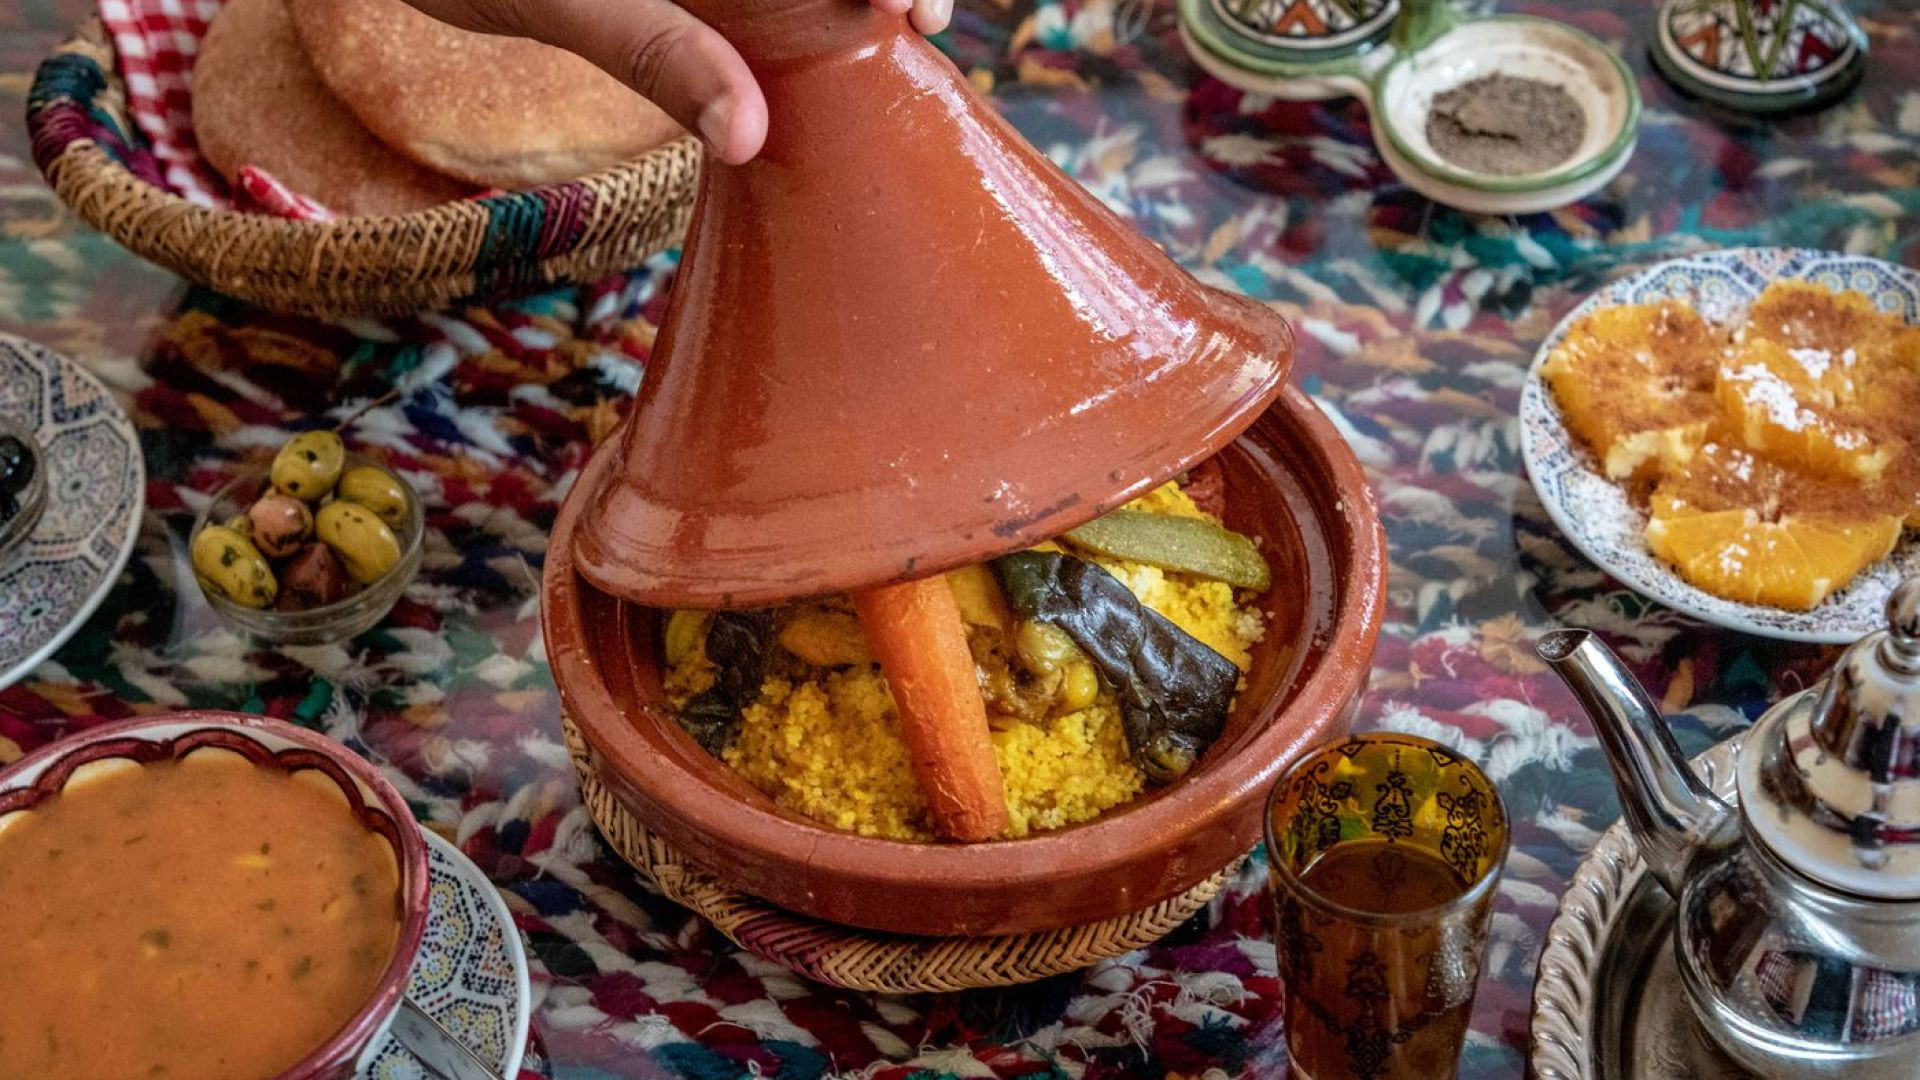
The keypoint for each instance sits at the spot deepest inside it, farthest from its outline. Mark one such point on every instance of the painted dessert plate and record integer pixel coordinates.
(96, 489)
(471, 974)
(1596, 514)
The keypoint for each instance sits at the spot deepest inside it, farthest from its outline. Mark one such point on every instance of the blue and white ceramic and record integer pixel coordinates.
(1595, 513)
(96, 489)
(471, 974)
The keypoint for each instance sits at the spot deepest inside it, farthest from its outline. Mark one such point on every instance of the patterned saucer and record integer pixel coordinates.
(1760, 55)
(96, 489)
(471, 974)
(1595, 513)
(1295, 49)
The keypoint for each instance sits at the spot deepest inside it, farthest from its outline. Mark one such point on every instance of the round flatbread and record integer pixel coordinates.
(500, 111)
(257, 101)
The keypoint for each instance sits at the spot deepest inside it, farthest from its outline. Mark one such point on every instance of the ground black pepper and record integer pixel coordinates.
(1505, 125)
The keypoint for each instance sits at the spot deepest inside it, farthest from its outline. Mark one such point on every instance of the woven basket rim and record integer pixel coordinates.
(872, 960)
(92, 34)
(356, 265)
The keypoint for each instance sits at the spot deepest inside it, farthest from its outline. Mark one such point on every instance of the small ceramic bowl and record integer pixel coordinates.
(1521, 46)
(31, 501)
(333, 622)
(275, 745)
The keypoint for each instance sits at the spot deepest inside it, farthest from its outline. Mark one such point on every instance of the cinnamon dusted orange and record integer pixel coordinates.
(1805, 315)
(1796, 404)
(1748, 528)
(1635, 385)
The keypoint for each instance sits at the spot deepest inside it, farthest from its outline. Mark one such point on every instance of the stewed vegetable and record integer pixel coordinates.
(1174, 691)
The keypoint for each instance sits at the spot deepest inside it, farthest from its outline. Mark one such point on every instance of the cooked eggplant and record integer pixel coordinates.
(737, 644)
(1192, 545)
(1174, 691)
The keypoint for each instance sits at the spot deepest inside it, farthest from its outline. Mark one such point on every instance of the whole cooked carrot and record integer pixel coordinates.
(915, 631)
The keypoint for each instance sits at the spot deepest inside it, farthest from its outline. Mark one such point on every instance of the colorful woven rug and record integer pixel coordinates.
(1416, 323)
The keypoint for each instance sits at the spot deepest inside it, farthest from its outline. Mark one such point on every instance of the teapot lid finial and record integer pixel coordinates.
(1900, 650)
(1839, 776)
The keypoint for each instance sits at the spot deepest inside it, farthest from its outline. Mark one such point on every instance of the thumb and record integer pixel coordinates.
(654, 46)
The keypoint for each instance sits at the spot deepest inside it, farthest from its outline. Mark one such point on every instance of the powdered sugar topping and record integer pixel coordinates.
(1772, 393)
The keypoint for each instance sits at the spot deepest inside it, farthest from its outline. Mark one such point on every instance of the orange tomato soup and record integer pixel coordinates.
(191, 920)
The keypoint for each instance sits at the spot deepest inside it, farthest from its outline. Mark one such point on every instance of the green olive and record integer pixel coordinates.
(309, 465)
(1044, 647)
(364, 543)
(227, 564)
(1079, 686)
(376, 489)
(686, 633)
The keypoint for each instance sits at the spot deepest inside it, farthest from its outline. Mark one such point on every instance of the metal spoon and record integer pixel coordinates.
(444, 1055)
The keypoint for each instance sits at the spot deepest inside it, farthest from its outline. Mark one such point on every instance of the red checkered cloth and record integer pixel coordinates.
(157, 41)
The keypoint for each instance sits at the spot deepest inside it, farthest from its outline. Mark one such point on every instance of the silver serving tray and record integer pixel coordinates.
(1607, 1002)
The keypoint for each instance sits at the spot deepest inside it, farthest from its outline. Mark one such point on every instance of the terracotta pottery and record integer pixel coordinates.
(901, 341)
(1290, 480)
(281, 746)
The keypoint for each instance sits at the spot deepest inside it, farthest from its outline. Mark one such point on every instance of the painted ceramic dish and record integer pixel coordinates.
(1614, 930)
(1760, 56)
(298, 762)
(1595, 513)
(95, 491)
(1399, 57)
(1291, 481)
(1302, 50)
(1540, 49)
(471, 973)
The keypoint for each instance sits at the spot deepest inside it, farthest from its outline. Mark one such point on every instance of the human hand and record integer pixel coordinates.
(655, 46)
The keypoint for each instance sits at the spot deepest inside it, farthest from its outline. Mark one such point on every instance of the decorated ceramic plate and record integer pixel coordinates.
(1596, 514)
(471, 974)
(96, 488)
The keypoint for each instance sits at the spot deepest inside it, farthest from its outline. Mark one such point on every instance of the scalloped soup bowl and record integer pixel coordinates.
(105, 754)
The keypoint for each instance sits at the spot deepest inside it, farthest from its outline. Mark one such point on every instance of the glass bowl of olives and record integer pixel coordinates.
(315, 548)
(23, 485)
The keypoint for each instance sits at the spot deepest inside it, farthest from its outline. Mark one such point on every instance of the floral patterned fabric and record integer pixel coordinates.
(1415, 322)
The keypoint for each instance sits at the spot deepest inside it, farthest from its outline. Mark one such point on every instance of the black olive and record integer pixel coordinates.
(16, 464)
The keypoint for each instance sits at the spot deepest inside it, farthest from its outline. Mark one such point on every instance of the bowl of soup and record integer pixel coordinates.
(203, 895)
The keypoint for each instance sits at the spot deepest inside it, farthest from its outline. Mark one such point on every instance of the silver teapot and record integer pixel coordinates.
(1798, 929)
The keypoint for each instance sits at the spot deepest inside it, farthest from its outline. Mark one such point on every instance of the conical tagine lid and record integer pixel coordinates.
(902, 341)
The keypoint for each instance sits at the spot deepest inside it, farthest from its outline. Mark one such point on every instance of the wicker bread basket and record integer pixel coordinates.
(474, 249)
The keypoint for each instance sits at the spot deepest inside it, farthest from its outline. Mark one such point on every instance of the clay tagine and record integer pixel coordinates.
(901, 341)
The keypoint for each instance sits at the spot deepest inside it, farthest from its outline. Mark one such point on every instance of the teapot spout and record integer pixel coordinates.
(1673, 816)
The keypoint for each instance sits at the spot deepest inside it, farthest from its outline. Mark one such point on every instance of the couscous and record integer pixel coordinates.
(820, 735)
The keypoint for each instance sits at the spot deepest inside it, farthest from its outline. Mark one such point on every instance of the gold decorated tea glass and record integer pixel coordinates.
(1384, 851)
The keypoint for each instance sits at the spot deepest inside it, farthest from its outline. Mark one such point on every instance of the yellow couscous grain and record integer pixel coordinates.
(826, 744)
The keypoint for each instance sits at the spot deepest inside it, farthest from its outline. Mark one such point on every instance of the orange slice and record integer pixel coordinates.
(1635, 385)
(1803, 315)
(1793, 563)
(1786, 403)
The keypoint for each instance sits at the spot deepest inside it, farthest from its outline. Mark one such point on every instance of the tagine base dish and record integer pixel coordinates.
(856, 959)
(1608, 1003)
